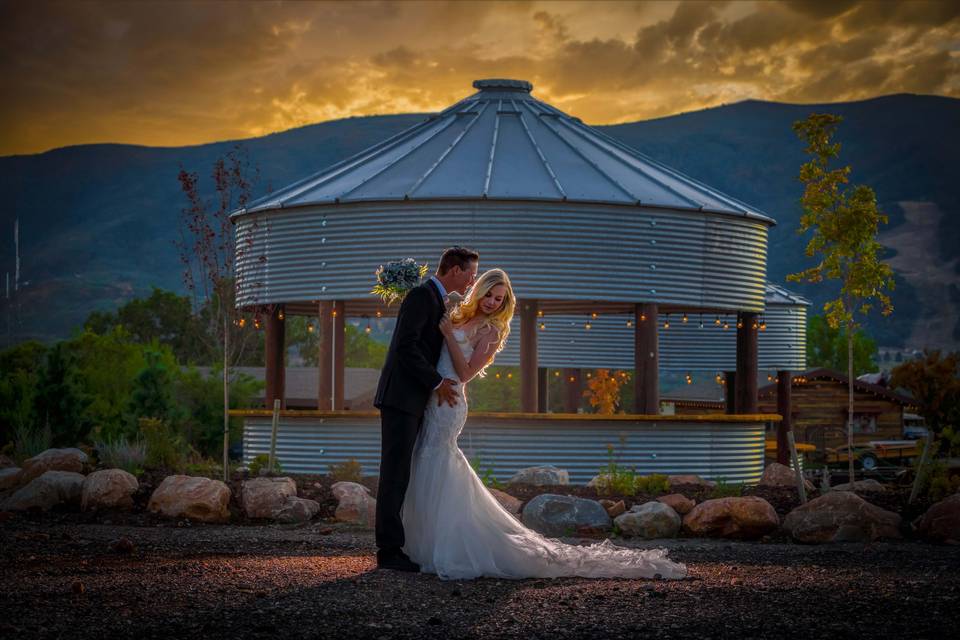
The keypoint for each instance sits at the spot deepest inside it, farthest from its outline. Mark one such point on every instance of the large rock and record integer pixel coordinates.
(555, 515)
(109, 489)
(355, 504)
(599, 480)
(941, 522)
(678, 502)
(780, 475)
(649, 520)
(841, 516)
(614, 508)
(736, 517)
(861, 485)
(541, 476)
(690, 480)
(6, 461)
(264, 497)
(297, 510)
(191, 497)
(53, 460)
(10, 478)
(50, 489)
(507, 501)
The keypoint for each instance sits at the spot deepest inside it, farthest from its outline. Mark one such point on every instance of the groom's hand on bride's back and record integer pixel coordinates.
(446, 393)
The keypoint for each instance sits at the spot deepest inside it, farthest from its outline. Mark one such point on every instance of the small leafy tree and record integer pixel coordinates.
(934, 383)
(153, 389)
(208, 252)
(844, 223)
(63, 401)
(603, 391)
(827, 347)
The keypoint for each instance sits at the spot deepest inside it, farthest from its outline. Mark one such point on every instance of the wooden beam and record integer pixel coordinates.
(747, 369)
(274, 342)
(543, 403)
(784, 408)
(325, 355)
(646, 379)
(339, 353)
(730, 391)
(528, 356)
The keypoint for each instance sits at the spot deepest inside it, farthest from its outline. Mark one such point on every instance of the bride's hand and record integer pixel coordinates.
(446, 326)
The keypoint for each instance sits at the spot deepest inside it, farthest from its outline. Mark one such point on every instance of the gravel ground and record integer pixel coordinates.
(67, 578)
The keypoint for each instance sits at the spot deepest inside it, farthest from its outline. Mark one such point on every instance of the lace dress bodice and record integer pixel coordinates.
(442, 424)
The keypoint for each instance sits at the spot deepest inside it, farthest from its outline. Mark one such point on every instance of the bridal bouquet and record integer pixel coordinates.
(397, 278)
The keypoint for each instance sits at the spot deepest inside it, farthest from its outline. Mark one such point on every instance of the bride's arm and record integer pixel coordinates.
(482, 354)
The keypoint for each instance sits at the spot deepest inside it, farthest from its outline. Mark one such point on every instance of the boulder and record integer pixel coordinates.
(780, 475)
(356, 505)
(556, 515)
(50, 489)
(264, 497)
(690, 480)
(860, 485)
(297, 510)
(841, 516)
(108, 489)
(53, 460)
(649, 520)
(507, 501)
(613, 508)
(10, 478)
(941, 522)
(541, 476)
(678, 502)
(191, 497)
(736, 517)
(599, 480)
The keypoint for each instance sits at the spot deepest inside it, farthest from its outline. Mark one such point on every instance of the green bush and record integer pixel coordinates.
(165, 449)
(653, 484)
(486, 475)
(29, 441)
(726, 490)
(348, 471)
(201, 400)
(262, 461)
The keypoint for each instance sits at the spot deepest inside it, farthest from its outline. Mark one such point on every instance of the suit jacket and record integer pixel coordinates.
(409, 373)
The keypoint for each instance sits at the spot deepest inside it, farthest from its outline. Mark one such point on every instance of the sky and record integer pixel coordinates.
(181, 73)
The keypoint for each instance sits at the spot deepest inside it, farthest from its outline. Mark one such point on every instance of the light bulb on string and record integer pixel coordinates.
(309, 328)
(684, 319)
(701, 321)
(726, 324)
(739, 322)
(594, 315)
(280, 315)
(539, 313)
(666, 322)
(643, 317)
(510, 375)
(379, 313)
(629, 323)
(543, 325)
(587, 326)
(716, 320)
(242, 322)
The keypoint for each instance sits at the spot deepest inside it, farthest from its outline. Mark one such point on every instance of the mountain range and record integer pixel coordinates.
(97, 222)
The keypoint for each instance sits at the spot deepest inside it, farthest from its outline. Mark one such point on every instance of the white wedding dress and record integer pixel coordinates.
(455, 528)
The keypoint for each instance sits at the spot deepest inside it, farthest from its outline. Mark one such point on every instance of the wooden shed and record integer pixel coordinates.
(819, 409)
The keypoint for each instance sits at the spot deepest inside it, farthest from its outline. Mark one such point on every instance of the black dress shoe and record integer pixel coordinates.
(397, 561)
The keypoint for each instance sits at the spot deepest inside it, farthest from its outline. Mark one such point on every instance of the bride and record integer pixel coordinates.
(454, 527)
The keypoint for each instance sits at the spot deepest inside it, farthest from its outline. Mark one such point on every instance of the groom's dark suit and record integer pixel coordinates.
(408, 378)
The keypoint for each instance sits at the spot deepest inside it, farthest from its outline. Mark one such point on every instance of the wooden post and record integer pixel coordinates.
(784, 408)
(273, 354)
(730, 391)
(919, 479)
(339, 353)
(542, 394)
(646, 379)
(325, 356)
(747, 370)
(802, 490)
(528, 356)
(273, 436)
(571, 386)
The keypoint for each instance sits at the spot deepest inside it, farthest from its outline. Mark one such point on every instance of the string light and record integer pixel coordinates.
(719, 379)
(689, 379)
(643, 317)
(726, 324)
(572, 379)
(539, 313)
(587, 326)
(333, 313)
(556, 374)
(543, 325)
(701, 321)
(379, 313)
(498, 375)
(763, 324)
(510, 375)
(716, 321)
(666, 322)
(739, 322)
(589, 375)
(256, 323)
(594, 315)
(309, 328)
(242, 322)
(280, 315)
(684, 320)
(629, 323)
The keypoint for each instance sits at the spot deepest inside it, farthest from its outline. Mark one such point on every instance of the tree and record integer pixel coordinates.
(827, 347)
(934, 383)
(62, 400)
(20, 368)
(163, 316)
(208, 253)
(844, 222)
(603, 391)
(153, 388)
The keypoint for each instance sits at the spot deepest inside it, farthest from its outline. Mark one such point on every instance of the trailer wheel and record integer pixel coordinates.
(869, 462)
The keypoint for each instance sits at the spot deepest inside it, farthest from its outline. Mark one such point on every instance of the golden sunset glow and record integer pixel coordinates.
(183, 73)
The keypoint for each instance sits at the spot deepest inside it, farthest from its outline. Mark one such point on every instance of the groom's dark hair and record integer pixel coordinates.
(456, 256)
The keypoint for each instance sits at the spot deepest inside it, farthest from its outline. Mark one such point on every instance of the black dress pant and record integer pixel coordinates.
(398, 435)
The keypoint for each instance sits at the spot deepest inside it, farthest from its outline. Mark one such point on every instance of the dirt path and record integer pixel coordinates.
(63, 580)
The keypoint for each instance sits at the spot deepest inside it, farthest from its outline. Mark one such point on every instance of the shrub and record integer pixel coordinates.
(348, 471)
(486, 475)
(123, 453)
(28, 442)
(262, 461)
(165, 449)
(654, 483)
(726, 490)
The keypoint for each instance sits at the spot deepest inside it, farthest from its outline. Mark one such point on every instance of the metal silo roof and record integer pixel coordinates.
(501, 143)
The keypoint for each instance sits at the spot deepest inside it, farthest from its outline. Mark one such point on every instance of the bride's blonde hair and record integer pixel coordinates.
(469, 307)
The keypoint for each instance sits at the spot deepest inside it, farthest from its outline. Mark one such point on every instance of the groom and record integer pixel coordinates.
(408, 378)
